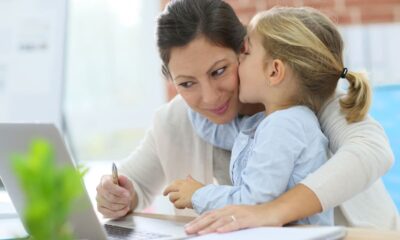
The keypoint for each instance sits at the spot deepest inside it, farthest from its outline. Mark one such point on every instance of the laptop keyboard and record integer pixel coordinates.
(118, 232)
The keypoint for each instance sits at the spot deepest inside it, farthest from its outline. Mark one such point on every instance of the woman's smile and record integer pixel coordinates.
(220, 110)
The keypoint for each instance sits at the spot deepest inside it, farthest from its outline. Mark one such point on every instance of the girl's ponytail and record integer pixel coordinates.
(358, 100)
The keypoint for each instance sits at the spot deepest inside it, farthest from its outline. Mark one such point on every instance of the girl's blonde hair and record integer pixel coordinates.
(310, 44)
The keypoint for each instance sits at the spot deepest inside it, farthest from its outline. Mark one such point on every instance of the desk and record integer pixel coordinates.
(352, 233)
(104, 168)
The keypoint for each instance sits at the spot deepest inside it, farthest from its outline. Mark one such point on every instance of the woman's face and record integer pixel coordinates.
(205, 75)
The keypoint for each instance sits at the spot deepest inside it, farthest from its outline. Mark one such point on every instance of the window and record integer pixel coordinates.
(113, 78)
(374, 48)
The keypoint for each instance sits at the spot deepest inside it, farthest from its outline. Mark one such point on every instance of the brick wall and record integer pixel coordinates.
(343, 12)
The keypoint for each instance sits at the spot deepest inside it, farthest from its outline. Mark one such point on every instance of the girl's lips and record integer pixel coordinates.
(221, 109)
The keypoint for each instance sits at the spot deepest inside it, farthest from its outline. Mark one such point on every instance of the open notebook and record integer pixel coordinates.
(279, 233)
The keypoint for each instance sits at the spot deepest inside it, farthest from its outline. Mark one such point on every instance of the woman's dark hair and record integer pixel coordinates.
(184, 20)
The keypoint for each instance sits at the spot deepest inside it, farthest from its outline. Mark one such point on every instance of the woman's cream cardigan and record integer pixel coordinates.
(350, 179)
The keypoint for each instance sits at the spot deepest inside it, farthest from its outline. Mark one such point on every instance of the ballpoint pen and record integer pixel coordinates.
(115, 174)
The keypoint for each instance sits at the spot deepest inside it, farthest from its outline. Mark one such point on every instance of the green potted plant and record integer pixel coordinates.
(49, 190)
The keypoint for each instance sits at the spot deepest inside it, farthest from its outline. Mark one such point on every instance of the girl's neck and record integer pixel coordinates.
(273, 107)
(250, 108)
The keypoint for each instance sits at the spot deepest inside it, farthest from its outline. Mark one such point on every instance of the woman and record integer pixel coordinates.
(199, 42)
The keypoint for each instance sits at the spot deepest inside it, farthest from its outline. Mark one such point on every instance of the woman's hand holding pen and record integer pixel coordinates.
(113, 200)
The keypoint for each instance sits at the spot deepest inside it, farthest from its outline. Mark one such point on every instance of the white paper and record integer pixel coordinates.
(32, 37)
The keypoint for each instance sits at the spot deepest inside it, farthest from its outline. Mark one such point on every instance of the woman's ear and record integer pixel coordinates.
(275, 72)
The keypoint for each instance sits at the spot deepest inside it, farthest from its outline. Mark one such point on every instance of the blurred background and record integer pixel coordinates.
(92, 67)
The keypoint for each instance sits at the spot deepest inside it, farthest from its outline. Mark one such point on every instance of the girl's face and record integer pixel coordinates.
(205, 75)
(253, 81)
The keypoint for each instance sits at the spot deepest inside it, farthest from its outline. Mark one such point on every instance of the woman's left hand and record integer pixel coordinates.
(231, 218)
(181, 191)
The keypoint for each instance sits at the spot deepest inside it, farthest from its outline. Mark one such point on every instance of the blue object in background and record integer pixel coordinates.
(386, 109)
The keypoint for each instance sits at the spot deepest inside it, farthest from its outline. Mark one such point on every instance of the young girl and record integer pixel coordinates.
(291, 64)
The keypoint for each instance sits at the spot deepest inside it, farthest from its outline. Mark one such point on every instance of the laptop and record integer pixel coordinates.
(16, 138)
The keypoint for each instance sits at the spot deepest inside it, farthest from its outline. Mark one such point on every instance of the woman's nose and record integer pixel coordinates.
(209, 93)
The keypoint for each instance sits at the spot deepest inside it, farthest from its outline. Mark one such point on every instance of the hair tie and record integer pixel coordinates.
(344, 73)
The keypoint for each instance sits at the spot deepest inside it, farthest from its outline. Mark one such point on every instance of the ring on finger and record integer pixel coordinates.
(233, 218)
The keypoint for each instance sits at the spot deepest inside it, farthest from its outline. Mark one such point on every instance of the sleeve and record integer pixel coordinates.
(219, 135)
(362, 154)
(141, 164)
(278, 144)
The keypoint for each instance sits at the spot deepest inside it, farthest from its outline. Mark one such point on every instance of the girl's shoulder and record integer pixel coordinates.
(292, 115)
(297, 120)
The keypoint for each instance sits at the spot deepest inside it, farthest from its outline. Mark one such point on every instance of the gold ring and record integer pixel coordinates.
(233, 218)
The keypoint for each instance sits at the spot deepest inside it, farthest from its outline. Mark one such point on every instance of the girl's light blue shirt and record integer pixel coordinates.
(270, 155)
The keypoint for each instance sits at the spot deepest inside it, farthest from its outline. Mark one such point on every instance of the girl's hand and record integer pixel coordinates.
(181, 191)
(232, 218)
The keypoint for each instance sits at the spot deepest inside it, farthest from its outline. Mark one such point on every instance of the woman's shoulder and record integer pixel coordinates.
(175, 105)
(171, 123)
(172, 113)
(331, 107)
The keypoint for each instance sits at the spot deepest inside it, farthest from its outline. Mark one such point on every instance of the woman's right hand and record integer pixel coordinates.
(114, 201)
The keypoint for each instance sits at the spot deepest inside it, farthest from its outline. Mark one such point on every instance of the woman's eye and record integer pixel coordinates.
(218, 72)
(186, 84)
